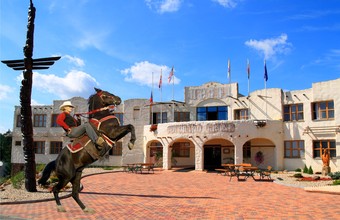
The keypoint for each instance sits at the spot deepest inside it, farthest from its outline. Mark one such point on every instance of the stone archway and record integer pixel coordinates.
(259, 152)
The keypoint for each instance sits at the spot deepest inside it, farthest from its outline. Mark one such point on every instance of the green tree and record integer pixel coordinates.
(5, 152)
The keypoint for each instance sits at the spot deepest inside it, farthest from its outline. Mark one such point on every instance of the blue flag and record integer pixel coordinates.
(265, 72)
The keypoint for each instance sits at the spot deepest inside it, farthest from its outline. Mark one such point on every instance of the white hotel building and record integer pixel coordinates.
(214, 125)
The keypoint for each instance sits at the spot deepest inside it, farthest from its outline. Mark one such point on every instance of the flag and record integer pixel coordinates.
(265, 71)
(151, 98)
(171, 74)
(248, 69)
(229, 69)
(160, 81)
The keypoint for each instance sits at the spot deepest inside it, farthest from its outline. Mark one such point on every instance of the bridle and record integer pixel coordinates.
(101, 96)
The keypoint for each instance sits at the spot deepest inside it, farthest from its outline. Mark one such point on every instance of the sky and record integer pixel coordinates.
(123, 46)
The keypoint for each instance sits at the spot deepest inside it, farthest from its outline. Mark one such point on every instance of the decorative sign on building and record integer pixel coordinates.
(199, 93)
(193, 128)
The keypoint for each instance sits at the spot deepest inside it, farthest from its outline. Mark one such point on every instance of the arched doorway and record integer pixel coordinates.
(260, 152)
(216, 152)
(155, 154)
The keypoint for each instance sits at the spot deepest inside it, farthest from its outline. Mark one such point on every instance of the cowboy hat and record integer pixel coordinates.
(65, 104)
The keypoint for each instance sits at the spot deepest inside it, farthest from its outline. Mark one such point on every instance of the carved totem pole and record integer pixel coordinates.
(27, 65)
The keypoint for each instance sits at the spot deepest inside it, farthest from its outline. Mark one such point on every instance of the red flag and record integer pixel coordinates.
(171, 74)
(151, 98)
(160, 81)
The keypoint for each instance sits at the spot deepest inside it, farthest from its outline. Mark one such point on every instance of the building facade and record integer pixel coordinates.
(215, 124)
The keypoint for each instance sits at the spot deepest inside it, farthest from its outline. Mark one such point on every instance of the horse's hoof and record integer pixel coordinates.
(81, 187)
(88, 210)
(130, 145)
(60, 208)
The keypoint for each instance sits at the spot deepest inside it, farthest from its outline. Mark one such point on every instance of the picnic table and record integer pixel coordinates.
(241, 171)
(139, 167)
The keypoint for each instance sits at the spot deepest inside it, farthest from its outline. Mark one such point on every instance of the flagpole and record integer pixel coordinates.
(173, 96)
(160, 86)
(151, 104)
(229, 77)
(248, 74)
(265, 84)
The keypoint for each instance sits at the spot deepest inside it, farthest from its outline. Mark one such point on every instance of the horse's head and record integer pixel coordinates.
(108, 98)
(102, 99)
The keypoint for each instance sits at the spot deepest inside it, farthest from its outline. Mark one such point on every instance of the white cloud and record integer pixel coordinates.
(4, 91)
(141, 73)
(163, 6)
(75, 83)
(226, 3)
(75, 60)
(271, 47)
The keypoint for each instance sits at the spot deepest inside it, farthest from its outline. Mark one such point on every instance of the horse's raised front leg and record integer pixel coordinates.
(118, 132)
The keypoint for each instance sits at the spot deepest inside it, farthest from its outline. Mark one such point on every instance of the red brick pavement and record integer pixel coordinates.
(182, 195)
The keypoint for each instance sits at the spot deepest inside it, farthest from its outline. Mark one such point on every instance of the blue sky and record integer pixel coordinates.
(117, 45)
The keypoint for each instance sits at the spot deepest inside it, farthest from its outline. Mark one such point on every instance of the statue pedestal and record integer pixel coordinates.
(326, 170)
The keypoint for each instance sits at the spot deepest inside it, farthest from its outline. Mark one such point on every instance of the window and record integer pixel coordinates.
(182, 116)
(320, 145)
(181, 149)
(55, 147)
(39, 120)
(294, 149)
(247, 150)
(212, 113)
(293, 112)
(323, 110)
(136, 113)
(117, 149)
(18, 121)
(54, 120)
(156, 118)
(39, 147)
(242, 114)
(120, 117)
(17, 143)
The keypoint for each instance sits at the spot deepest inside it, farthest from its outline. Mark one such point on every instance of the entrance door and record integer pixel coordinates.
(212, 157)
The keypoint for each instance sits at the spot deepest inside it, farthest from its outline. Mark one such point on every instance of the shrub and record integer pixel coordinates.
(298, 175)
(335, 176)
(310, 170)
(305, 169)
(18, 179)
(298, 170)
(336, 182)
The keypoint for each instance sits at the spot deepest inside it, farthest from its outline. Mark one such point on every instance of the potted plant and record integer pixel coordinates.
(153, 127)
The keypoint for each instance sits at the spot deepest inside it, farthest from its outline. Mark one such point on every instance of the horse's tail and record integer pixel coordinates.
(47, 172)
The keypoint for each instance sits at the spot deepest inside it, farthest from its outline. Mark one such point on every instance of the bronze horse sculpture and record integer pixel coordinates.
(69, 166)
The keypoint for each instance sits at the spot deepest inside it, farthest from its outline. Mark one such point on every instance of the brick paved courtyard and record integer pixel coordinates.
(182, 195)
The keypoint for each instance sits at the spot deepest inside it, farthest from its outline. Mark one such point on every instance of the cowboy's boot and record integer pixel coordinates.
(103, 147)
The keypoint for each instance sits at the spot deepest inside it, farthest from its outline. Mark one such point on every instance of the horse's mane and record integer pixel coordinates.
(90, 99)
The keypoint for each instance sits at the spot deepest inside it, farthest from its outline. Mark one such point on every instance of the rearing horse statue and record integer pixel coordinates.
(69, 166)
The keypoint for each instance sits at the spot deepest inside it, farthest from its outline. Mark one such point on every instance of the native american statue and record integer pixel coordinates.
(325, 158)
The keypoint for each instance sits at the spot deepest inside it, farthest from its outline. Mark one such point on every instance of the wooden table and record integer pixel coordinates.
(144, 166)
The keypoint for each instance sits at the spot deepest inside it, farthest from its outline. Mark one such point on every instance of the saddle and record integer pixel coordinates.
(78, 143)
(83, 142)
